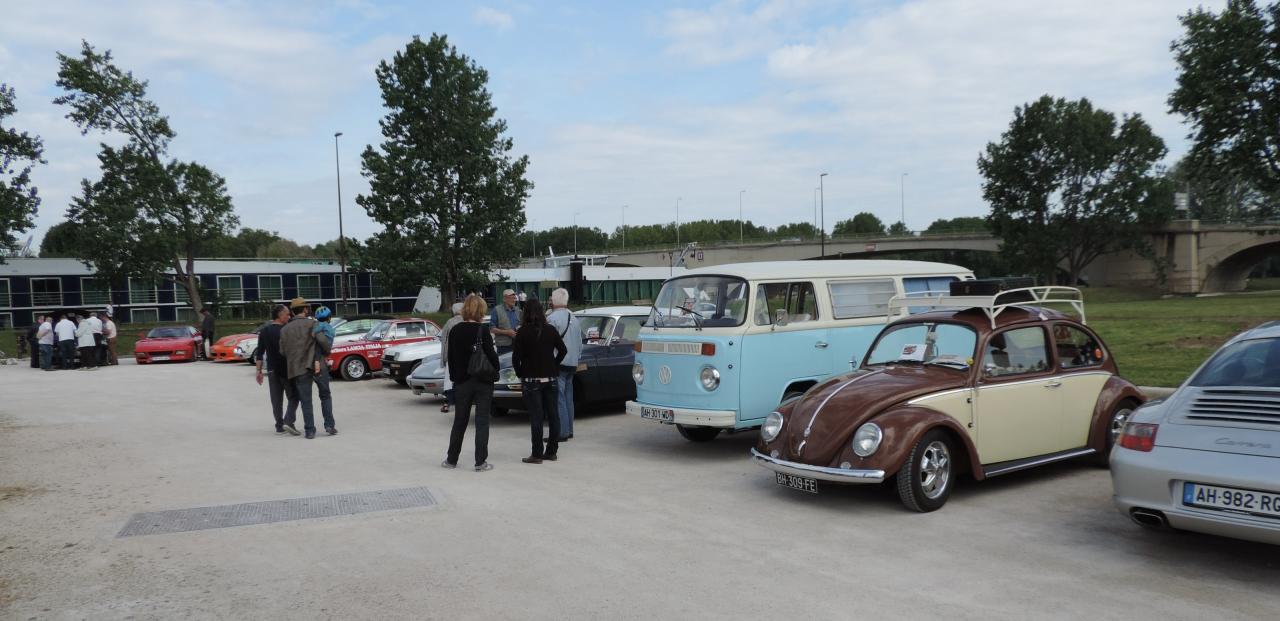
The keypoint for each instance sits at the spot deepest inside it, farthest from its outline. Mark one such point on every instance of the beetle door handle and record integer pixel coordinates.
(1053, 384)
(820, 344)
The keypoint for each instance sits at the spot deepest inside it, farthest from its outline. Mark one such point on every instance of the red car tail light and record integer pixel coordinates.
(1139, 436)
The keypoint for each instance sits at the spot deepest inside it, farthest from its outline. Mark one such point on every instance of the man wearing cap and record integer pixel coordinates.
(298, 344)
(504, 321)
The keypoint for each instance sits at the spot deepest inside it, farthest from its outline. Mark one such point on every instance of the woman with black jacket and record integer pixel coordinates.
(536, 352)
(470, 335)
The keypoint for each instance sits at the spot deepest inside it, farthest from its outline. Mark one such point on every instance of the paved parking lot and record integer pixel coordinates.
(633, 522)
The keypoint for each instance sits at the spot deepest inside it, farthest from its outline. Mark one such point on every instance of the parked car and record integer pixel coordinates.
(168, 344)
(1207, 458)
(724, 345)
(237, 347)
(604, 368)
(358, 359)
(988, 387)
(401, 360)
(354, 328)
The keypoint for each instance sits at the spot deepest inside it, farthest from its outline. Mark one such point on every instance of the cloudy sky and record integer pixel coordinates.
(616, 103)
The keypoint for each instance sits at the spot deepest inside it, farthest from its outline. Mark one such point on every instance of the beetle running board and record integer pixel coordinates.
(1006, 467)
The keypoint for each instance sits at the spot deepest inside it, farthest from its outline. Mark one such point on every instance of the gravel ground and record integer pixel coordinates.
(632, 523)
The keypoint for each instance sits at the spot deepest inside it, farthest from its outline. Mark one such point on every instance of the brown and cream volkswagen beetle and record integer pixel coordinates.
(978, 385)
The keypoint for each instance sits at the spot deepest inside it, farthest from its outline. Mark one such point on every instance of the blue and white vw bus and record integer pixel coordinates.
(724, 345)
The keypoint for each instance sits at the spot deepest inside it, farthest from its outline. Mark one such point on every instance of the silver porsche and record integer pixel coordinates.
(1207, 458)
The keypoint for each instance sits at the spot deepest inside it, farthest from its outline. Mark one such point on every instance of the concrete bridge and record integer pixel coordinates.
(1197, 257)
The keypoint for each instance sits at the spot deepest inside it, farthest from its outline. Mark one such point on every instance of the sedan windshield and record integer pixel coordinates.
(167, 333)
(943, 344)
(1255, 362)
(700, 301)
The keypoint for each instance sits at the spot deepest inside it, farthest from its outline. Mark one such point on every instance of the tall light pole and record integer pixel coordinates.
(533, 236)
(624, 228)
(815, 208)
(342, 238)
(740, 193)
(903, 198)
(677, 224)
(575, 234)
(822, 207)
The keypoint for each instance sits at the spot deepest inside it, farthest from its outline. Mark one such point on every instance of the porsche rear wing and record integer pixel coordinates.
(991, 305)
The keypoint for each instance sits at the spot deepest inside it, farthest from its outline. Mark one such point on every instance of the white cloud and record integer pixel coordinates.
(494, 18)
(730, 31)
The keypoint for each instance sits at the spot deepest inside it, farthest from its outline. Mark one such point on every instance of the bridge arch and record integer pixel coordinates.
(1228, 269)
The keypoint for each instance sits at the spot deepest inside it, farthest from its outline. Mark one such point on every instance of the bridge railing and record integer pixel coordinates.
(796, 241)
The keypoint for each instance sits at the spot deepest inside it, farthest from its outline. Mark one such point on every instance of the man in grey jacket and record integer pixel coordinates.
(567, 326)
(298, 345)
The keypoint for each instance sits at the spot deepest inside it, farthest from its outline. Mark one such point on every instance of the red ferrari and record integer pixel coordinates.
(167, 344)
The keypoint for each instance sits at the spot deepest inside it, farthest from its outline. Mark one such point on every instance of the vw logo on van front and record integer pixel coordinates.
(664, 374)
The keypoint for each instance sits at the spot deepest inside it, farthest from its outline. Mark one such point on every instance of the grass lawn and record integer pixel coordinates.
(1156, 341)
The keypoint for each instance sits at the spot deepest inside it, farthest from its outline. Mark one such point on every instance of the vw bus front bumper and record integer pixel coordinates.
(724, 419)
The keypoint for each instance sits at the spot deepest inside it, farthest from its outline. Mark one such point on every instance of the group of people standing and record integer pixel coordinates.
(544, 354)
(94, 337)
(291, 356)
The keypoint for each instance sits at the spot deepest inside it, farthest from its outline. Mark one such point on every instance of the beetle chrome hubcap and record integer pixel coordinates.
(1117, 424)
(935, 469)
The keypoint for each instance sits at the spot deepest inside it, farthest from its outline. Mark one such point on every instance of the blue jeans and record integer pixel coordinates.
(46, 356)
(565, 401)
(326, 398)
(540, 400)
(302, 396)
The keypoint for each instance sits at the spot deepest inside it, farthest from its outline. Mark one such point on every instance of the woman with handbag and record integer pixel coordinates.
(536, 353)
(473, 368)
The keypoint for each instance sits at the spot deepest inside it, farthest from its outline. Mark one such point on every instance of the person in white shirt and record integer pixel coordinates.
(99, 343)
(44, 337)
(566, 324)
(65, 331)
(84, 338)
(109, 335)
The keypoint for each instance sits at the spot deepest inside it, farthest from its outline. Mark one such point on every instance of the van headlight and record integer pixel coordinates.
(772, 426)
(710, 378)
(637, 373)
(867, 440)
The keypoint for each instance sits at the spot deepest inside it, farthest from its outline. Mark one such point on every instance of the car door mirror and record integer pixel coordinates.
(853, 362)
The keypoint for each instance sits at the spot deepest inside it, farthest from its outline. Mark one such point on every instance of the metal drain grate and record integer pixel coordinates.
(203, 518)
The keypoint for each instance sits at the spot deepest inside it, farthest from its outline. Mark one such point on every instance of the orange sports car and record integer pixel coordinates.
(237, 347)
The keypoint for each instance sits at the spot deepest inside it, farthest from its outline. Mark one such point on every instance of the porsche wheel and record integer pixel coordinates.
(354, 368)
(698, 434)
(926, 479)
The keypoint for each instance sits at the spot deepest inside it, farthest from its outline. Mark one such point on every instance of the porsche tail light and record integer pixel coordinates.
(1139, 436)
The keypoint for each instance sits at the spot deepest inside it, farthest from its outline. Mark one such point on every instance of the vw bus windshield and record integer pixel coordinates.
(700, 302)
(941, 344)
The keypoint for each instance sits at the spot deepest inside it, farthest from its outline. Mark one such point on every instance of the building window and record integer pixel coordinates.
(376, 290)
(348, 310)
(94, 292)
(144, 315)
(142, 291)
(6, 321)
(270, 288)
(862, 298)
(186, 314)
(383, 308)
(231, 288)
(46, 292)
(5, 301)
(180, 294)
(353, 285)
(308, 286)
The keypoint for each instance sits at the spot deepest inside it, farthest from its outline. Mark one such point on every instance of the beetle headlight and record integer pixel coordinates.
(637, 373)
(867, 439)
(772, 426)
(710, 378)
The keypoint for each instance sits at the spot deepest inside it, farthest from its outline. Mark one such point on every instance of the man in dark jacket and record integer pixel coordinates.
(278, 386)
(32, 343)
(206, 333)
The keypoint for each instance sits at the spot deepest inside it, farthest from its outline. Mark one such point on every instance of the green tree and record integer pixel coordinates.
(1229, 91)
(285, 249)
(19, 200)
(795, 230)
(863, 223)
(60, 240)
(1066, 184)
(149, 215)
(443, 182)
(330, 250)
(963, 224)
(899, 229)
(1220, 195)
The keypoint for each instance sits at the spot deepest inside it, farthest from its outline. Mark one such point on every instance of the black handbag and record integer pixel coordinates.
(479, 367)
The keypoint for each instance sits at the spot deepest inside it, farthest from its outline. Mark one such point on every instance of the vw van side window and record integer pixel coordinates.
(861, 298)
(1015, 352)
(1076, 348)
(793, 302)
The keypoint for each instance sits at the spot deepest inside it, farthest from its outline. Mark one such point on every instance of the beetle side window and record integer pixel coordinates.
(1076, 348)
(1015, 352)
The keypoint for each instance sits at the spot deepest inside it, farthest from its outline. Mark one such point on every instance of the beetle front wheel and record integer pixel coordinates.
(926, 479)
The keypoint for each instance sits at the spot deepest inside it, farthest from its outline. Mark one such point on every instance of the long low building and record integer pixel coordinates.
(35, 286)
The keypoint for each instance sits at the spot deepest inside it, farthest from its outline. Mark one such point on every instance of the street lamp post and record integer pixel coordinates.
(903, 198)
(342, 238)
(822, 207)
(575, 233)
(677, 224)
(740, 193)
(624, 228)
(815, 208)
